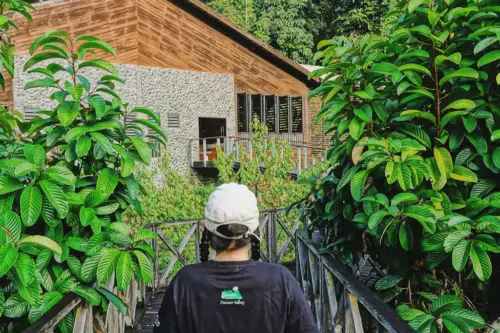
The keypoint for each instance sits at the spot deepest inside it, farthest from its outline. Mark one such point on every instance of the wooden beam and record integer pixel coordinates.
(49, 320)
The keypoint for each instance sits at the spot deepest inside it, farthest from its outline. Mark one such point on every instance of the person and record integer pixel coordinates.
(233, 293)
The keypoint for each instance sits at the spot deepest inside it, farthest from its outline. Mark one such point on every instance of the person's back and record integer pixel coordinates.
(234, 294)
(246, 296)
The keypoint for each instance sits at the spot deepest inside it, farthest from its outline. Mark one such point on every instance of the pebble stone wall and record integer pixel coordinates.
(189, 94)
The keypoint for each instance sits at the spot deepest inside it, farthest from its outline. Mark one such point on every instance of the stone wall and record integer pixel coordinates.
(189, 94)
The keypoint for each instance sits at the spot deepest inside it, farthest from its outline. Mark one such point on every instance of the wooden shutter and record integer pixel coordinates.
(256, 107)
(283, 114)
(242, 112)
(270, 112)
(297, 121)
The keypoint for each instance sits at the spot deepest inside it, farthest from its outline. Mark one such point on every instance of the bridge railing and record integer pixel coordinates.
(335, 294)
(276, 229)
(202, 151)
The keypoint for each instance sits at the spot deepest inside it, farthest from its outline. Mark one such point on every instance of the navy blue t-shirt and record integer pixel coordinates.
(230, 297)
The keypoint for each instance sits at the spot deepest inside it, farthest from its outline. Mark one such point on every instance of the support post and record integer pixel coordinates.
(197, 242)
(237, 150)
(205, 158)
(250, 149)
(271, 238)
(305, 157)
(299, 161)
(156, 266)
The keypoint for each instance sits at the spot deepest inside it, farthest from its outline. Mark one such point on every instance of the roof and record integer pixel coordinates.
(211, 17)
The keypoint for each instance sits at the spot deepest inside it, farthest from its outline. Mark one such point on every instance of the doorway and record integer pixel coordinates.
(212, 128)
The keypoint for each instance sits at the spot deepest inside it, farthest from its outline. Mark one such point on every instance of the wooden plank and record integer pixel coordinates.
(355, 314)
(81, 318)
(49, 320)
(171, 247)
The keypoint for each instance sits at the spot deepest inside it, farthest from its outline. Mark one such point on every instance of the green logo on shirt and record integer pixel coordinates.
(231, 295)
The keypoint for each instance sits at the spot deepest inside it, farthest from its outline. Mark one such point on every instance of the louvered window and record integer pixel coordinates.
(256, 107)
(270, 112)
(242, 112)
(296, 106)
(284, 113)
(173, 120)
(29, 114)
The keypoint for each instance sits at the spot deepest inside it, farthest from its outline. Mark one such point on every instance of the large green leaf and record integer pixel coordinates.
(89, 268)
(444, 161)
(56, 197)
(462, 72)
(42, 241)
(16, 307)
(387, 282)
(97, 44)
(145, 266)
(472, 319)
(415, 68)
(124, 271)
(143, 149)
(107, 181)
(460, 104)
(463, 174)
(61, 175)
(90, 294)
(358, 184)
(103, 142)
(10, 227)
(9, 184)
(152, 126)
(67, 112)
(83, 145)
(100, 63)
(25, 268)
(480, 262)
(48, 300)
(488, 58)
(115, 300)
(35, 154)
(444, 303)
(485, 43)
(107, 264)
(87, 214)
(31, 205)
(356, 128)
(42, 57)
(8, 257)
(461, 254)
(144, 234)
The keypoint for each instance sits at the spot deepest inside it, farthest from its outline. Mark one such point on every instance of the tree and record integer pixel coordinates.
(415, 157)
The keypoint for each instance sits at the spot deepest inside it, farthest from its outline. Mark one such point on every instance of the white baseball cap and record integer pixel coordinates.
(232, 204)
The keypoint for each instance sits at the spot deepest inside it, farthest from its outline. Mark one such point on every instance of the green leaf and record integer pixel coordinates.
(376, 218)
(472, 319)
(387, 282)
(433, 17)
(90, 294)
(83, 145)
(416, 132)
(484, 44)
(100, 63)
(67, 112)
(77, 243)
(107, 264)
(144, 234)
(460, 105)
(358, 183)
(145, 266)
(10, 227)
(444, 161)
(97, 44)
(478, 141)
(143, 149)
(31, 205)
(461, 254)
(89, 267)
(35, 154)
(462, 72)
(434, 242)
(356, 128)
(494, 137)
(26, 269)
(406, 236)
(444, 303)
(56, 197)
(16, 307)
(107, 181)
(41, 241)
(463, 174)
(148, 112)
(124, 271)
(415, 68)
(99, 104)
(87, 214)
(42, 57)
(61, 174)
(488, 58)
(414, 4)
(115, 300)
(8, 257)
(9, 184)
(149, 124)
(406, 313)
(47, 301)
(480, 262)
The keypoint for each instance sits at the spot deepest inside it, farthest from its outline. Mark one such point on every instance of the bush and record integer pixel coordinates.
(65, 180)
(415, 156)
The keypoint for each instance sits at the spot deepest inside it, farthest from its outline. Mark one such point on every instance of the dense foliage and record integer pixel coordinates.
(293, 27)
(65, 179)
(415, 158)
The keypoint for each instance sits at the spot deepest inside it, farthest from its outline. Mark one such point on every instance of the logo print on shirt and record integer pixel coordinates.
(232, 297)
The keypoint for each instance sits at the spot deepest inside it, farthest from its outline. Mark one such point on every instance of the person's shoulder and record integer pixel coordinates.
(276, 269)
(190, 272)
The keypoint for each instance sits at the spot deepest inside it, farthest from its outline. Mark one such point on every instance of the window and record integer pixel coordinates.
(130, 131)
(270, 112)
(241, 108)
(173, 120)
(282, 114)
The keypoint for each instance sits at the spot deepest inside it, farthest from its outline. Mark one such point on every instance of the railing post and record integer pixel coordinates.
(205, 158)
(191, 152)
(305, 157)
(156, 262)
(271, 237)
(218, 142)
(197, 242)
(250, 149)
(237, 151)
(299, 162)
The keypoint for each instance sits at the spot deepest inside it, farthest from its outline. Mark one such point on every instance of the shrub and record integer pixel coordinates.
(415, 156)
(65, 180)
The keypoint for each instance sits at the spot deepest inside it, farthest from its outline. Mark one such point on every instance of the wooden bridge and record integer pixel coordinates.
(339, 300)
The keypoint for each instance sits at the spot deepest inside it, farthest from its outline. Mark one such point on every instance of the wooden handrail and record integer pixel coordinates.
(49, 320)
(355, 290)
